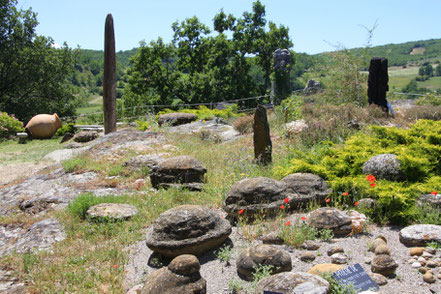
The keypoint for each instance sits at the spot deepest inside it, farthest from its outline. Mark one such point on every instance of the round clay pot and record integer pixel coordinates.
(43, 126)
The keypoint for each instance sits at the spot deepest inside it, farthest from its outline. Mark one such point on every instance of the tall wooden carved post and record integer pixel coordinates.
(261, 138)
(109, 78)
(377, 82)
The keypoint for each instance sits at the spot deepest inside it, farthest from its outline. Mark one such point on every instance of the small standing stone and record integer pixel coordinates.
(109, 77)
(262, 138)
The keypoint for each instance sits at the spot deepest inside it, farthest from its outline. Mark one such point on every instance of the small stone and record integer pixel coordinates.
(429, 278)
(310, 245)
(339, 258)
(325, 268)
(418, 251)
(422, 270)
(431, 264)
(334, 250)
(382, 249)
(384, 264)
(422, 260)
(416, 264)
(380, 280)
(307, 256)
(431, 250)
(367, 260)
(439, 276)
(377, 242)
(272, 238)
(185, 265)
(427, 255)
(412, 260)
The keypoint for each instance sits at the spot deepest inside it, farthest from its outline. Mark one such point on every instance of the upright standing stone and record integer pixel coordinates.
(262, 139)
(280, 87)
(109, 78)
(377, 82)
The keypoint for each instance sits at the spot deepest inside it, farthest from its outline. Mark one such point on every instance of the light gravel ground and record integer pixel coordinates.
(217, 275)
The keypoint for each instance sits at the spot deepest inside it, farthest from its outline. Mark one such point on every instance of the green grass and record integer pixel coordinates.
(434, 83)
(33, 151)
(95, 104)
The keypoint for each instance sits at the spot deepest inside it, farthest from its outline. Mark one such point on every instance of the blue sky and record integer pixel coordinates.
(313, 24)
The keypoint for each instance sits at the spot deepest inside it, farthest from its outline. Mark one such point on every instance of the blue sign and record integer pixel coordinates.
(356, 276)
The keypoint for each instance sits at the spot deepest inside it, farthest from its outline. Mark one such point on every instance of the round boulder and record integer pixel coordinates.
(420, 235)
(178, 171)
(181, 276)
(110, 212)
(176, 118)
(384, 264)
(263, 254)
(187, 229)
(330, 218)
(85, 136)
(384, 166)
(306, 188)
(288, 283)
(255, 195)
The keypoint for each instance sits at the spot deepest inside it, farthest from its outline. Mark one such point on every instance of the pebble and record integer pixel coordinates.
(367, 260)
(429, 278)
(416, 264)
(431, 264)
(412, 260)
(422, 260)
(307, 256)
(418, 251)
(380, 280)
(439, 276)
(334, 250)
(422, 270)
(382, 249)
(310, 245)
(427, 255)
(339, 258)
(431, 250)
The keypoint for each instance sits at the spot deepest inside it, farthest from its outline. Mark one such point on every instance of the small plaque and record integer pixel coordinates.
(355, 275)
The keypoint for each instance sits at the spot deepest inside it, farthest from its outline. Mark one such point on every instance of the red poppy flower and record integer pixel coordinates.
(434, 193)
(241, 211)
(303, 218)
(345, 194)
(370, 178)
(373, 184)
(282, 207)
(286, 200)
(328, 200)
(356, 203)
(287, 223)
(114, 266)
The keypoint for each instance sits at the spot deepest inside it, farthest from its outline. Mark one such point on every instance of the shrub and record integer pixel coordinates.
(423, 112)
(81, 204)
(9, 125)
(292, 108)
(66, 128)
(429, 99)
(418, 150)
(204, 113)
(244, 124)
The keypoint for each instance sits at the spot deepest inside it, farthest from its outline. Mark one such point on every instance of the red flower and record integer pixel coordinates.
(370, 178)
(345, 194)
(303, 218)
(286, 200)
(328, 200)
(356, 203)
(114, 266)
(373, 184)
(287, 223)
(241, 211)
(434, 193)
(282, 207)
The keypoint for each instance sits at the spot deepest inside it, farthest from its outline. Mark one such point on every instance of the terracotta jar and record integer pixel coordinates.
(43, 126)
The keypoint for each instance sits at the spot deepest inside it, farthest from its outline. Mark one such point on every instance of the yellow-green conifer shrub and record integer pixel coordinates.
(418, 150)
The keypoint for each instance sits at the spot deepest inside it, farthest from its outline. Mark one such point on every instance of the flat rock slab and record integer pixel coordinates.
(294, 283)
(111, 212)
(187, 229)
(213, 127)
(420, 235)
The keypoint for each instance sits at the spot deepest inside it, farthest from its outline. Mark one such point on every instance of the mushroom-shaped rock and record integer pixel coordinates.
(255, 195)
(187, 229)
(110, 212)
(85, 136)
(289, 283)
(330, 218)
(420, 235)
(181, 276)
(43, 126)
(306, 188)
(263, 254)
(179, 170)
(176, 118)
(384, 264)
(384, 166)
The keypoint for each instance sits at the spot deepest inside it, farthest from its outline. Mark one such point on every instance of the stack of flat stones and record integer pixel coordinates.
(425, 261)
(382, 263)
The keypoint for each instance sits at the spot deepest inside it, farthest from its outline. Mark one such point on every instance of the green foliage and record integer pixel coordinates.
(418, 150)
(74, 164)
(9, 125)
(326, 235)
(204, 113)
(34, 74)
(292, 108)
(337, 288)
(429, 99)
(296, 234)
(29, 261)
(224, 254)
(66, 128)
(142, 125)
(81, 204)
(235, 285)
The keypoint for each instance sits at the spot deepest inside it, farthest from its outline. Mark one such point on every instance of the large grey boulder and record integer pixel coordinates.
(180, 170)
(384, 166)
(294, 283)
(306, 188)
(330, 218)
(187, 229)
(420, 235)
(255, 195)
(176, 118)
(263, 254)
(180, 276)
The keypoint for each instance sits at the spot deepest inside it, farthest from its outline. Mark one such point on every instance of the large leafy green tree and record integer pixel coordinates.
(33, 74)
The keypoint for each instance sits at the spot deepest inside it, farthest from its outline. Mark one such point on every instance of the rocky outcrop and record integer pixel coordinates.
(180, 276)
(263, 254)
(384, 166)
(187, 229)
(288, 283)
(420, 235)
